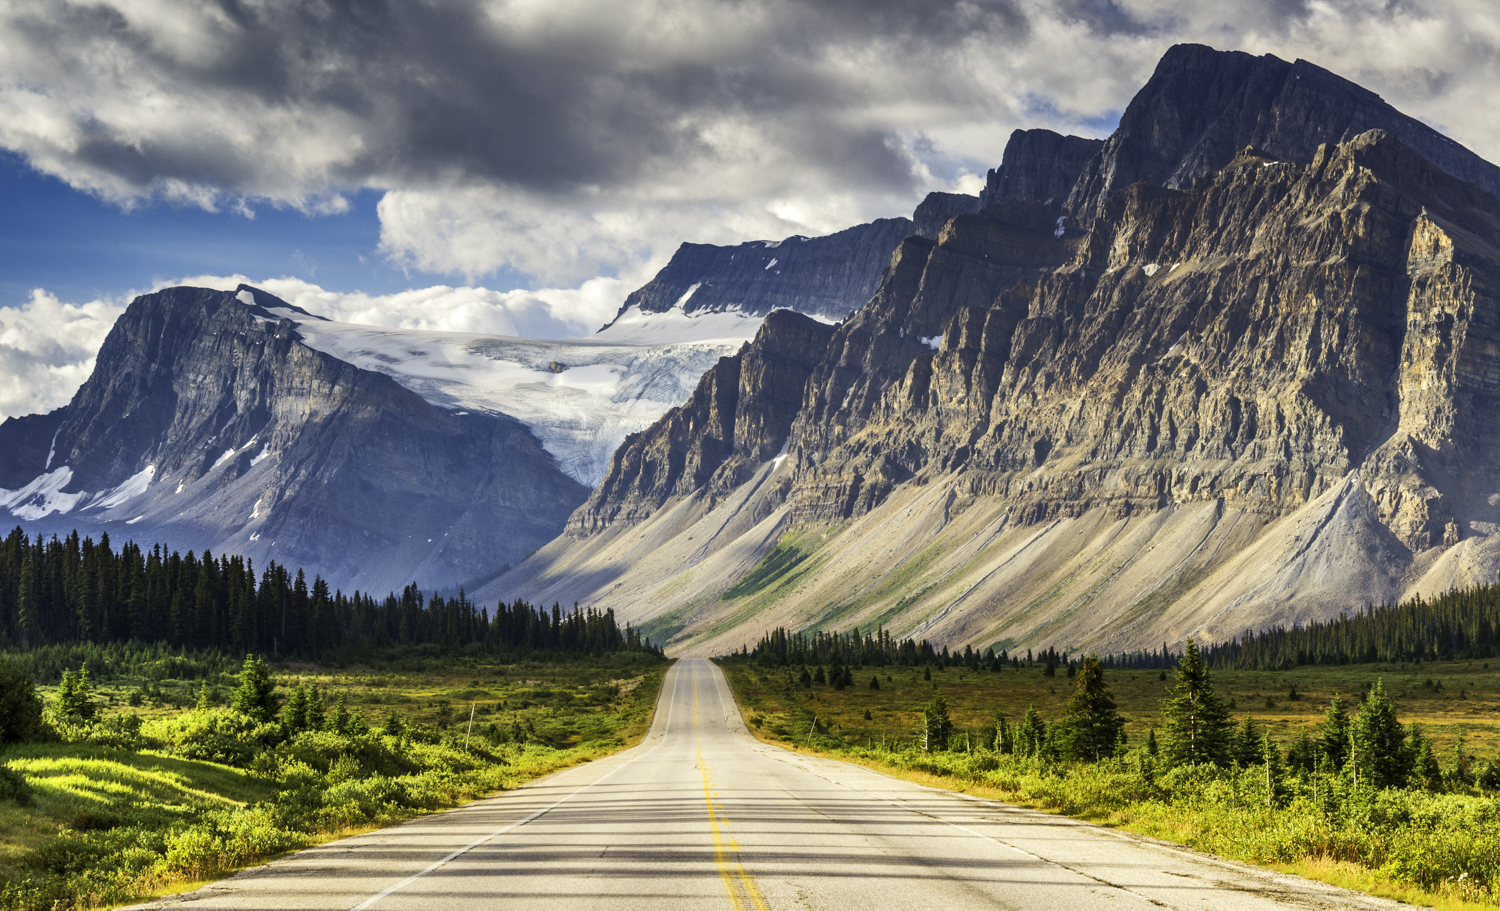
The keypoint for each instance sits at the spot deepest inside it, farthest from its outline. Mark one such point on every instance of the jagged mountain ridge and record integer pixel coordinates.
(207, 423)
(1211, 408)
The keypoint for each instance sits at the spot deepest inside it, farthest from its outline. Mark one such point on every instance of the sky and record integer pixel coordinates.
(519, 166)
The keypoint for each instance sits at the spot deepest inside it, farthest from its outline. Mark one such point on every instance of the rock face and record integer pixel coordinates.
(207, 423)
(1038, 165)
(738, 418)
(940, 208)
(824, 276)
(1259, 390)
(1202, 106)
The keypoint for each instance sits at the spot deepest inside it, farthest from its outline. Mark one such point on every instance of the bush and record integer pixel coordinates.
(213, 735)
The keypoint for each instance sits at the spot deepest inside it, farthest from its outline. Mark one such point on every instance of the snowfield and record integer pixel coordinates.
(581, 397)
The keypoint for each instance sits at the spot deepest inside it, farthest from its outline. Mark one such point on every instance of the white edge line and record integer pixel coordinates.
(516, 825)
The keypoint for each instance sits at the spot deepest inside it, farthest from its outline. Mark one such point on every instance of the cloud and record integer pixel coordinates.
(548, 313)
(571, 138)
(47, 350)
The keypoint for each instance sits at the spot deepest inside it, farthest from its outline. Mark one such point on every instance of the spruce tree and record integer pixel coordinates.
(1246, 750)
(256, 695)
(75, 697)
(1090, 727)
(937, 727)
(1335, 741)
(1195, 723)
(1376, 742)
(1031, 734)
(20, 706)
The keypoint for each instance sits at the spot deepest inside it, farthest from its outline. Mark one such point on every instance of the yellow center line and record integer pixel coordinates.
(739, 885)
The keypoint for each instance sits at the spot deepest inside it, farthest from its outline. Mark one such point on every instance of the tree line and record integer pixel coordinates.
(74, 589)
(779, 648)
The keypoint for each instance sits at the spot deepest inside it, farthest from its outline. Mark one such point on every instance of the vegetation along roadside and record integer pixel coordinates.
(1377, 776)
(133, 768)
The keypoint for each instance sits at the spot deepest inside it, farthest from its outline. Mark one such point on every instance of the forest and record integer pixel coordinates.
(56, 591)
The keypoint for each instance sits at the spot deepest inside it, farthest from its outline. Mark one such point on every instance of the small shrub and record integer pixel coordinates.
(13, 786)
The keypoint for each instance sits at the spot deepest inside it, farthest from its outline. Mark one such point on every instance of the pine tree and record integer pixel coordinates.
(1376, 741)
(875, 682)
(937, 727)
(294, 714)
(1195, 722)
(256, 695)
(1425, 772)
(1090, 726)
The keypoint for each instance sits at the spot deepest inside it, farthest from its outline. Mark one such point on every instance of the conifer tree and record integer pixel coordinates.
(1090, 727)
(937, 727)
(75, 697)
(875, 682)
(20, 706)
(294, 714)
(1335, 741)
(1247, 748)
(1196, 724)
(1376, 742)
(1031, 733)
(256, 695)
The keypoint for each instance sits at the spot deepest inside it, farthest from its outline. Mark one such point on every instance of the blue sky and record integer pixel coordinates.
(79, 247)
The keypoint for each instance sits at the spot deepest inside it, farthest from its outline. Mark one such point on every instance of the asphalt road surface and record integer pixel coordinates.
(701, 815)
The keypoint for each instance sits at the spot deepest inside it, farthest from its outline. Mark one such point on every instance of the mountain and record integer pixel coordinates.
(209, 423)
(1264, 394)
(237, 422)
(1202, 106)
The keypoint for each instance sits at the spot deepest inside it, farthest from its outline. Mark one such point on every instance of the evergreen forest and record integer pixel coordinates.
(75, 590)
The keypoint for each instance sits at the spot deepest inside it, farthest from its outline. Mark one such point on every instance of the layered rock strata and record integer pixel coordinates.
(738, 418)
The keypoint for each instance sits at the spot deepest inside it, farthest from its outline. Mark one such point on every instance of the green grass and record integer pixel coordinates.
(1441, 850)
(780, 563)
(107, 826)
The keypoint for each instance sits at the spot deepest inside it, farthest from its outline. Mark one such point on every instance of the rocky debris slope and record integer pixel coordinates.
(208, 423)
(738, 418)
(1202, 106)
(1263, 394)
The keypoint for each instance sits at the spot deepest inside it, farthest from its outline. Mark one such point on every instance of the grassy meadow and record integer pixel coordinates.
(168, 787)
(1438, 849)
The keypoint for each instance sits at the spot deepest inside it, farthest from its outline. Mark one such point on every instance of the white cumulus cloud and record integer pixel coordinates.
(47, 350)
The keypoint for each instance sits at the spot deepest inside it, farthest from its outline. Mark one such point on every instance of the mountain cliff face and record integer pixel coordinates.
(208, 423)
(1262, 394)
(1038, 165)
(823, 276)
(738, 418)
(1202, 106)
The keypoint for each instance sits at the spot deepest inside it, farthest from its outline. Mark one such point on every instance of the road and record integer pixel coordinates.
(701, 815)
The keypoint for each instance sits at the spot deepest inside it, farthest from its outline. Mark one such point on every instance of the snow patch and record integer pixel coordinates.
(129, 489)
(1176, 347)
(181, 485)
(261, 457)
(44, 495)
(133, 521)
(1151, 269)
(255, 511)
(228, 454)
(771, 244)
(255, 537)
(245, 297)
(1060, 230)
(687, 296)
(771, 263)
(932, 342)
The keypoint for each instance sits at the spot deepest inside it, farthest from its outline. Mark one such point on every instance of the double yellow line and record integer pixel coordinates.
(743, 894)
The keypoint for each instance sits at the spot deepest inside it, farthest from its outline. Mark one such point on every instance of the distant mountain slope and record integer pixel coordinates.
(1265, 395)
